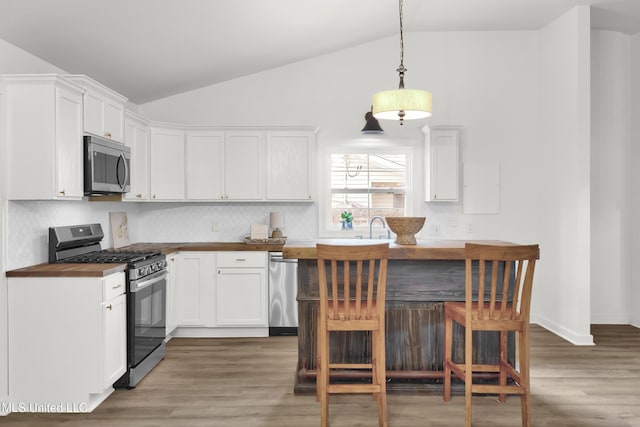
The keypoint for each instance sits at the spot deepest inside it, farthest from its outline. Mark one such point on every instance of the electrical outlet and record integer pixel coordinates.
(214, 226)
(453, 221)
(434, 229)
(470, 227)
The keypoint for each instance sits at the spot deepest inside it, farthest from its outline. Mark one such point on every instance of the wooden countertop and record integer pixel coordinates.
(169, 248)
(424, 250)
(100, 270)
(67, 270)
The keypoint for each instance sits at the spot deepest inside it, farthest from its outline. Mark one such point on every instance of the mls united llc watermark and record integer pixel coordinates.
(7, 407)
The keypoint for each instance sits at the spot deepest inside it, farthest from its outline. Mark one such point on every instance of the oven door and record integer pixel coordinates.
(147, 315)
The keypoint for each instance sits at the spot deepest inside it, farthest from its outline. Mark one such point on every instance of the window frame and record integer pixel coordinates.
(359, 147)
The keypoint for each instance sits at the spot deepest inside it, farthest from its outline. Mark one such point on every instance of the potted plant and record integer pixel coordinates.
(347, 220)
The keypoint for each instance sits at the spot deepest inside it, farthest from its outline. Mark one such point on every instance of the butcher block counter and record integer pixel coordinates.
(419, 279)
(101, 270)
(67, 270)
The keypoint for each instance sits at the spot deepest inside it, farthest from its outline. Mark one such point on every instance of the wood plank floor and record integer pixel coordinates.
(249, 382)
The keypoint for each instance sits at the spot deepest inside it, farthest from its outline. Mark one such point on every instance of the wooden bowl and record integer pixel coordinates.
(405, 228)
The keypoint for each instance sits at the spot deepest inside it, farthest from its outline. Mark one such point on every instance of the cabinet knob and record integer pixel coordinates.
(107, 134)
(62, 193)
(154, 196)
(109, 307)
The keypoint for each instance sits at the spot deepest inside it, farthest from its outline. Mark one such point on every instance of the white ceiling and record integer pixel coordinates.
(150, 49)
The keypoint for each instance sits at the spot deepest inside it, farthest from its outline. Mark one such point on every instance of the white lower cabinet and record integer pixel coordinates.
(67, 341)
(220, 294)
(194, 288)
(242, 289)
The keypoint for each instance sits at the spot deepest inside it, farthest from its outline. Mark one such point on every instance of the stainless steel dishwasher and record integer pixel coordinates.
(283, 288)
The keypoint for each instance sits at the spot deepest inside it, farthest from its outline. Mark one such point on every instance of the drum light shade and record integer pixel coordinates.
(390, 104)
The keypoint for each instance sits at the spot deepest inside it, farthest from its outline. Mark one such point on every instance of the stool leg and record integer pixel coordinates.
(525, 401)
(448, 325)
(468, 374)
(502, 362)
(381, 375)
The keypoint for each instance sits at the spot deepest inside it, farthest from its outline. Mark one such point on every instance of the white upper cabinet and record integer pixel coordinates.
(243, 165)
(136, 137)
(167, 163)
(442, 163)
(44, 134)
(204, 165)
(288, 165)
(103, 109)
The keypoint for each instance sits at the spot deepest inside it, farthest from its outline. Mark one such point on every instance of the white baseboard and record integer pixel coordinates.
(201, 332)
(562, 332)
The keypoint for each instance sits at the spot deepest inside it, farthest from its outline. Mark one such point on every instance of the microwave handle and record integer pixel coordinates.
(126, 171)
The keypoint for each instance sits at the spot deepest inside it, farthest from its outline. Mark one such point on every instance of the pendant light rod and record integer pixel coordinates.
(401, 70)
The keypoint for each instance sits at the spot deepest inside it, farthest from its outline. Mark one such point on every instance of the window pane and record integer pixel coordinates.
(367, 185)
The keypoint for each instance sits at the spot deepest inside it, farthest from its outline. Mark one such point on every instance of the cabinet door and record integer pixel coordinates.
(204, 165)
(93, 113)
(243, 160)
(443, 165)
(68, 131)
(194, 289)
(288, 171)
(113, 121)
(167, 164)
(241, 297)
(115, 339)
(136, 137)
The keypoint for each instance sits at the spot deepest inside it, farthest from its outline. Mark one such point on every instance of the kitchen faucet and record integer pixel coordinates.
(384, 225)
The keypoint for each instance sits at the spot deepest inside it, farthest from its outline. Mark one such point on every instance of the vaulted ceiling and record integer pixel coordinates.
(150, 49)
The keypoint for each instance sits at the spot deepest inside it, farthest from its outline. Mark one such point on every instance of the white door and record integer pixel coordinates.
(241, 297)
(115, 339)
(167, 164)
(69, 165)
(205, 165)
(243, 160)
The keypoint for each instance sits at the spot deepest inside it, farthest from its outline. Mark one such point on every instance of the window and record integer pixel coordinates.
(367, 185)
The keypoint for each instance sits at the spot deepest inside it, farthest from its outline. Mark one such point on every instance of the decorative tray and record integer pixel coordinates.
(269, 241)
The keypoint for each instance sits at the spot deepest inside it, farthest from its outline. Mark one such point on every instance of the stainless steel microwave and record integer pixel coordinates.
(106, 166)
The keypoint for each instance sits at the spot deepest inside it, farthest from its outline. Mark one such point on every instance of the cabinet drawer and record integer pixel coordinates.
(242, 259)
(113, 285)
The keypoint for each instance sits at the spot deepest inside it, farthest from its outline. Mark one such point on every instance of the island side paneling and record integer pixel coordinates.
(416, 291)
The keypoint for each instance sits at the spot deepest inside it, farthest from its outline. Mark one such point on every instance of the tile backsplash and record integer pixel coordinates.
(28, 223)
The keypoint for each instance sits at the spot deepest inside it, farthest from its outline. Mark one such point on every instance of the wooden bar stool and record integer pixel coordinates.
(502, 276)
(352, 283)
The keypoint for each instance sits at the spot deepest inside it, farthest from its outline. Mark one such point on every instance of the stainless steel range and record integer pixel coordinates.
(146, 292)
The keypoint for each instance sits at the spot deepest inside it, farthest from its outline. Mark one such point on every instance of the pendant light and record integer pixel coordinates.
(402, 104)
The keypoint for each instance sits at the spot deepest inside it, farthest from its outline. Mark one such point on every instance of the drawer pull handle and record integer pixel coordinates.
(109, 307)
(240, 259)
(117, 286)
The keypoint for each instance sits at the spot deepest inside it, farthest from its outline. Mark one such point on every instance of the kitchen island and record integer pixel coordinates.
(419, 279)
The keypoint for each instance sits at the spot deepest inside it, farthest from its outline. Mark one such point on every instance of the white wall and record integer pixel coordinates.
(486, 82)
(634, 195)
(561, 299)
(610, 177)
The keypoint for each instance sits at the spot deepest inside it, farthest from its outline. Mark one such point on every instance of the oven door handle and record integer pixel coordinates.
(148, 281)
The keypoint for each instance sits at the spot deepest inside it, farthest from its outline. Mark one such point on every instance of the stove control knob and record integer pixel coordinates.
(144, 271)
